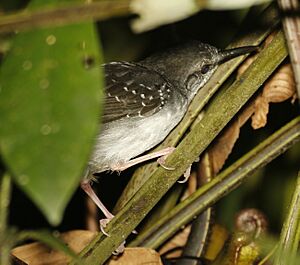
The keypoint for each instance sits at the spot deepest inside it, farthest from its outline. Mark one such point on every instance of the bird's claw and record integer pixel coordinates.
(103, 224)
(120, 249)
(161, 160)
(186, 175)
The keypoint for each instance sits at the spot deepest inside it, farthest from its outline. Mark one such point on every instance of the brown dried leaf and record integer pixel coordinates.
(137, 256)
(40, 254)
(280, 87)
(217, 154)
(223, 145)
(261, 109)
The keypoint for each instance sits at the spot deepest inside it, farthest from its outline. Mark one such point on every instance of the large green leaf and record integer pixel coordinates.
(49, 111)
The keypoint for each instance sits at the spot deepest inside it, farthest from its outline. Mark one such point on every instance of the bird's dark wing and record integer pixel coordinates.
(133, 90)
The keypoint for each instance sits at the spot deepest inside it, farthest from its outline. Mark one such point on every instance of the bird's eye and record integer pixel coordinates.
(205, 68)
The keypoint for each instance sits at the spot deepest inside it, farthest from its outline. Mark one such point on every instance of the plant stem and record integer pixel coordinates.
(290, 233)
(62, 15)
(291, 27)
(5, 191)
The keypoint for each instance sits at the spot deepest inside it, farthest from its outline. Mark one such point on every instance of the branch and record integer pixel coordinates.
(291, 27)
(290, 233)
(5, 239)
(62, 15)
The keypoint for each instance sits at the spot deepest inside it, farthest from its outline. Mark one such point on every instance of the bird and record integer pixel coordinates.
(144, 101)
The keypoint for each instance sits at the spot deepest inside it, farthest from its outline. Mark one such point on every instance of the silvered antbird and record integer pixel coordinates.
(145, 101)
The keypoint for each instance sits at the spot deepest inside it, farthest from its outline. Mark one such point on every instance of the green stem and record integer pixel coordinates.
(291, 27)
(5, 191)
(221, 185)
(290, 233)
(62, 15)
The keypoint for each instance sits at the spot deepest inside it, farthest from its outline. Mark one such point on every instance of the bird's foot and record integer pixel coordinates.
(186, 175)
(103, 224)
(161, 160)
(120, 249)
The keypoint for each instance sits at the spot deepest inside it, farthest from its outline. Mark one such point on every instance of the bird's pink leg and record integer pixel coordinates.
(86, 186)
(161, 153)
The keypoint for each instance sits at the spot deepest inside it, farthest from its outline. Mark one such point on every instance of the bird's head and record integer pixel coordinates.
(191, 65)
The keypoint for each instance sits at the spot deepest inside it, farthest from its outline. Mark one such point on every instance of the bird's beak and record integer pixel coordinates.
(226, 55)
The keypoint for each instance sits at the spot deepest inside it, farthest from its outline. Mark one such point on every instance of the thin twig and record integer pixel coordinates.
(291, 26)
(5, 190)
(5, 242)
(62, 15)
(290, 233)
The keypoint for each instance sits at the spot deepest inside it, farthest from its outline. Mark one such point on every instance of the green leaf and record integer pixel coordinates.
(49, 111)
